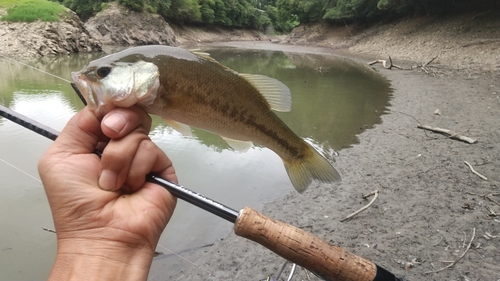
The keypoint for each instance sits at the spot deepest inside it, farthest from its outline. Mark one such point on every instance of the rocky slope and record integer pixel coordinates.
(24, 40)
(117, 26)
(113, 26)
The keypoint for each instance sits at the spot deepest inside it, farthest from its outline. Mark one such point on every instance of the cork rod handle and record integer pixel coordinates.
(303, 248)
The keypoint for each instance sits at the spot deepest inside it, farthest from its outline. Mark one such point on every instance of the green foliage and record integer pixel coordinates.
(183, 11)
(353, 9)
(134, 5)
(84, 8)
(32, 10)
(282, 20)
(339, 10)
(283, 15)
(206, 11)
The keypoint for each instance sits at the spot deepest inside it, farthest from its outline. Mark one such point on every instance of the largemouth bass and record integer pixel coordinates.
(192, 89)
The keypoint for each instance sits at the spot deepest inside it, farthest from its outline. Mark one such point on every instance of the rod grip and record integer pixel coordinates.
(305, 249)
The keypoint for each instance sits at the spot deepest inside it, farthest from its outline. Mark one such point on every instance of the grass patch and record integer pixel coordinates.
(31, 10)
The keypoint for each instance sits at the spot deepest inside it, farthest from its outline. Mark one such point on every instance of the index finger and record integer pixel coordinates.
(120, 121)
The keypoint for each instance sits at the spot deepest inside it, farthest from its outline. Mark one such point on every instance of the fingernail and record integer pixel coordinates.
(115, 122)
(107, 180)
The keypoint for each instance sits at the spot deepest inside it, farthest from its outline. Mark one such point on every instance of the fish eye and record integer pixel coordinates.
(103, 71)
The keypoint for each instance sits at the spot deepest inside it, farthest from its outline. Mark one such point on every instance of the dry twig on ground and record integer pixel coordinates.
(375, 192)
(48, 230)
(474, 171)
(424, 67)
(461, 256)
(490, 197)
(448, 133)
(390, 66)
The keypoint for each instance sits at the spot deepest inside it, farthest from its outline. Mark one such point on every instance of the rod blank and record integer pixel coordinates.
(178, 191)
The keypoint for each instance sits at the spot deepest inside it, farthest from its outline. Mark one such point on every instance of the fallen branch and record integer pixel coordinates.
(490, 197)
(492, 213)
(48, 230)
(474, 171)
(480, 42)
(461, 256)
(384, 64)
(391, 65)
(430, 61)
(448, 133)
(375, 192)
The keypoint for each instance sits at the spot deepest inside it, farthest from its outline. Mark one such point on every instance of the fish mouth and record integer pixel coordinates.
(83, 88)
(89, 93)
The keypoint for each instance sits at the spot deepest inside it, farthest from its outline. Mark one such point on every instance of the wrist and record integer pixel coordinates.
(80, 259)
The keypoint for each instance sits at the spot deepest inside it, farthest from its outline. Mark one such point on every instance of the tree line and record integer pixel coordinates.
(283, 15)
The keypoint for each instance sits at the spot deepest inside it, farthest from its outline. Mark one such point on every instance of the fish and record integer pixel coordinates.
(191, 89)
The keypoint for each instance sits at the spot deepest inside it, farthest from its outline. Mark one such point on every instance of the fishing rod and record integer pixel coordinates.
(294, 244)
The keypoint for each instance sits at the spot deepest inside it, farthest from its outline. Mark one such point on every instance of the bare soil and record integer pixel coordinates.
(431, 207)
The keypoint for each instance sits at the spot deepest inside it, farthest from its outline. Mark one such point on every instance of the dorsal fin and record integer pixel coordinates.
(276, 93)
(206, 56)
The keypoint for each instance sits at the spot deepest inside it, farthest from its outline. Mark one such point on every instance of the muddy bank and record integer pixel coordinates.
(429, 204)
(469, 42)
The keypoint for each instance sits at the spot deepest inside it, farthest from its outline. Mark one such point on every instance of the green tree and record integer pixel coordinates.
(84, 8)
(134, 5)
(207, 12)
(352, 9)
(280, 19)
(183, 11)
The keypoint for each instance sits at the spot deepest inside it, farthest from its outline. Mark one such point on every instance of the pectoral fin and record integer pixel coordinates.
(184, 129)
(240, 146)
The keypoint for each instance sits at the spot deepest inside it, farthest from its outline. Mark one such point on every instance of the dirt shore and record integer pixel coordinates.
(431, 209)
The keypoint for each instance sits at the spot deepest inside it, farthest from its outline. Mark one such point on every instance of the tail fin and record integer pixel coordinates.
(302, 171)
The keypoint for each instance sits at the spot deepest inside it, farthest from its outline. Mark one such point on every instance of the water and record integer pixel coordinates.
(334, 99)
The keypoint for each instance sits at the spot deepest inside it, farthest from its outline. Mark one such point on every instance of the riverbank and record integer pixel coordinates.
(429, 202)
(468, 42)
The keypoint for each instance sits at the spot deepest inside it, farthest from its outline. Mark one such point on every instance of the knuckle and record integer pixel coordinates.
(113, 160)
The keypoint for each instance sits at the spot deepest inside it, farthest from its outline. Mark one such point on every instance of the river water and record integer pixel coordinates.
(333, 100)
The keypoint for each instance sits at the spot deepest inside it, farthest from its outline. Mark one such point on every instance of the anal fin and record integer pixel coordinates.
(240, 146)
(184, 129)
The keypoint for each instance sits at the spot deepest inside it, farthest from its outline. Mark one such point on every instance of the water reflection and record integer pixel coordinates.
(333, 100)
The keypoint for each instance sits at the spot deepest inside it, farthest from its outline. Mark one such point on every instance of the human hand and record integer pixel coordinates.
(108, 219)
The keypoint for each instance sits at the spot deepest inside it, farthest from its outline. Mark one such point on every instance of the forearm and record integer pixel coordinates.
(81, 260)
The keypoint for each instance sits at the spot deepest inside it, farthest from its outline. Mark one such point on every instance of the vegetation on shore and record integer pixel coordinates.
(31, 10)
(282, 15)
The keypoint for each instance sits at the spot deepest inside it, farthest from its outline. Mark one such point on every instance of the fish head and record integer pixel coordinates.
(107, 84)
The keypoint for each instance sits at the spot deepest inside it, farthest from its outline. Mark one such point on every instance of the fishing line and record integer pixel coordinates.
(20, 170)
(43, 71)
(30, 66)
(181, 257)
